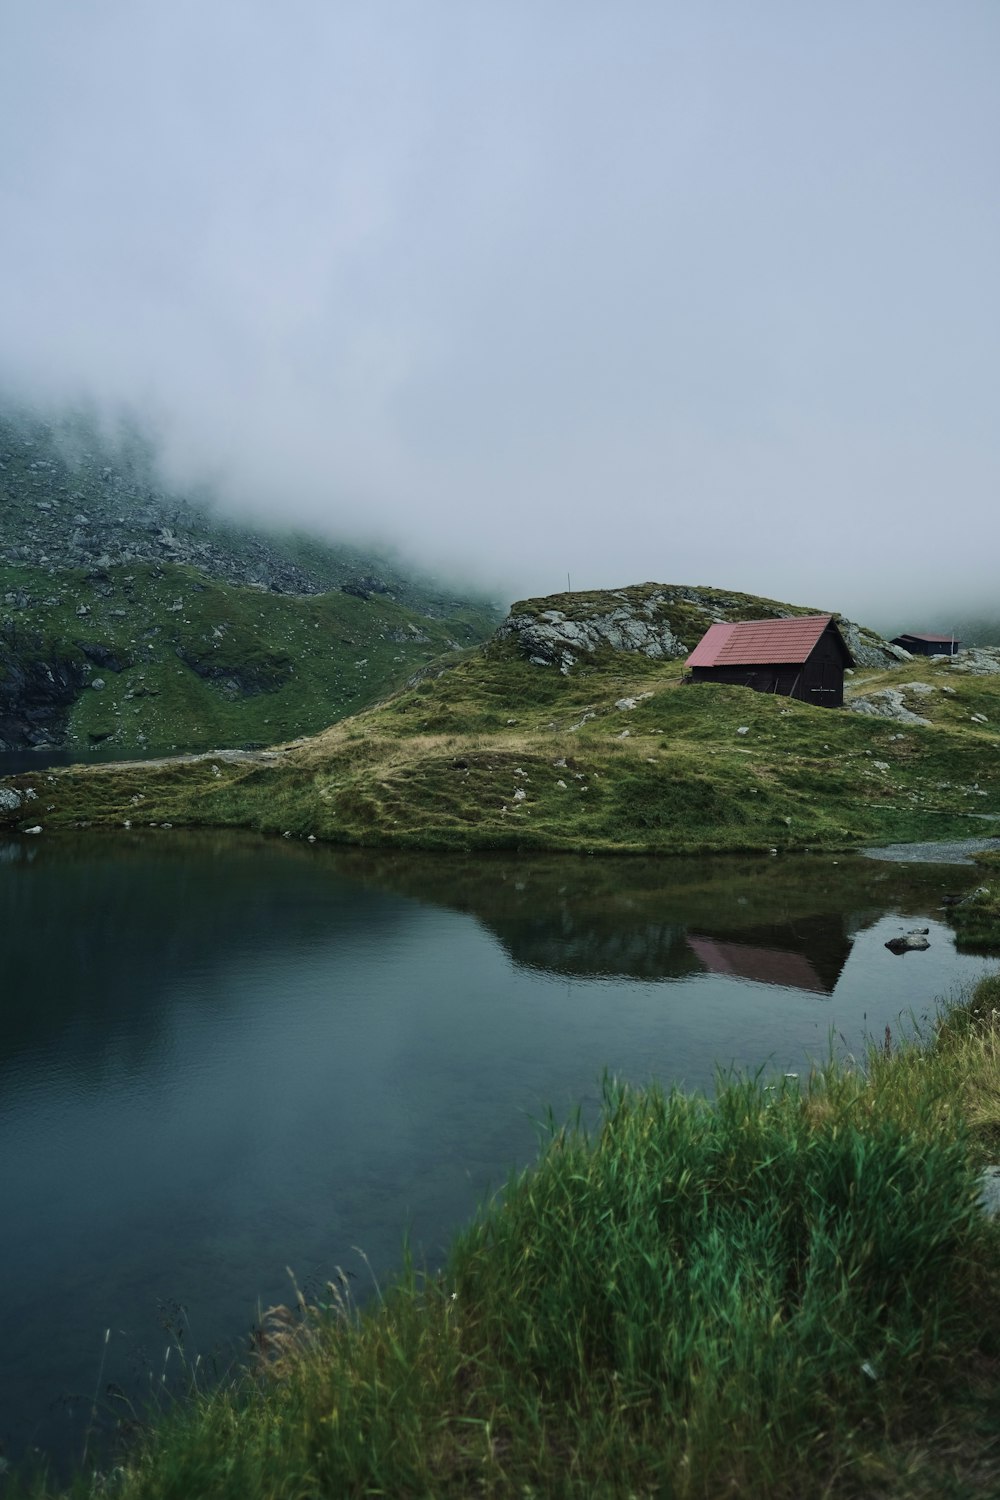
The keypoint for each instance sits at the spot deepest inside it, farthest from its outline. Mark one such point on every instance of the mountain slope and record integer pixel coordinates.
(617, 754)
(136, 618)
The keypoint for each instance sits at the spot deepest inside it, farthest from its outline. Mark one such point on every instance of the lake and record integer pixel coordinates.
(224, 1055)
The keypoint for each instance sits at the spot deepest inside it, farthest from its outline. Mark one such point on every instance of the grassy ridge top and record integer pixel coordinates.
(687, 609)
(703, 599)
(618, 756)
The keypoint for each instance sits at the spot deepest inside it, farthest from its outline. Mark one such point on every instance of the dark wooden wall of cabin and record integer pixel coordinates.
(770, 679)
(822, 680)
(928, 648)
(819, 680)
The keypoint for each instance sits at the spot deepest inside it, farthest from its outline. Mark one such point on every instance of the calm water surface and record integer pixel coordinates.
(13, 762)
(223, 1056)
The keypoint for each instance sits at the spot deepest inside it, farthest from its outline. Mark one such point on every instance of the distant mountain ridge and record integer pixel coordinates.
(69, 499)
(971, 630)
(139, 619)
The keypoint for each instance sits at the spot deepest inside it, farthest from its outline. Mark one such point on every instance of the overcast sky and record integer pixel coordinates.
(700, 291)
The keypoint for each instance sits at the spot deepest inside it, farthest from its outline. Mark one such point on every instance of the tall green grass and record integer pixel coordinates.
(787, 1290)
(977, 919)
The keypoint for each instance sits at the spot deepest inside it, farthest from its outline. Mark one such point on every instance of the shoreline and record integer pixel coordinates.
(784, 1290)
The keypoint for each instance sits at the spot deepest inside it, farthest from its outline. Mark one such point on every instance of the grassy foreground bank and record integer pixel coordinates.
(787, 1291)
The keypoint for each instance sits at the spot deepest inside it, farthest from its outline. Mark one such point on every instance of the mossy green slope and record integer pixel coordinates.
(140, 619)
(174, 659)
(495, 752)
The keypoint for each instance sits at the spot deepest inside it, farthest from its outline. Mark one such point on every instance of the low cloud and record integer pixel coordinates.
(532, 291)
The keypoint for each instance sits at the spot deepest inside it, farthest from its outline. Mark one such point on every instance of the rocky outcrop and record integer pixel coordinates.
(887, 703)
(36, 695)
(69, 499)
(659, 621)
(989, 1192)
(110, 658)
(123, 524)
(239, 678)
(869, 649)
(978, 661)
(552, 639)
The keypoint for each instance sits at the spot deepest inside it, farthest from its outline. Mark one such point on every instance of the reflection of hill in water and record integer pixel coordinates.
(120, 912)
(139, 913)
(559, 942)
(786, 922)
(808, 953)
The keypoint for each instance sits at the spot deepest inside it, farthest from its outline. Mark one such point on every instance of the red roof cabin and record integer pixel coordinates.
(800, 658)
(927, 645)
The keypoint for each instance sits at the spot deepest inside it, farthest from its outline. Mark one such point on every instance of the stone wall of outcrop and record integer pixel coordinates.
(36, 696)
(902, 703)
(887, 703)
(978, 661)
(869, 649)
(552, 639)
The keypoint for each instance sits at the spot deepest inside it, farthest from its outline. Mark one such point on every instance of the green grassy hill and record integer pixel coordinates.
(615, 755)
(165, 657)
(658, 620)
(137, 619)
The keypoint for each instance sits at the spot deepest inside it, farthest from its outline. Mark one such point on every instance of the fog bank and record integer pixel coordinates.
(702, 294)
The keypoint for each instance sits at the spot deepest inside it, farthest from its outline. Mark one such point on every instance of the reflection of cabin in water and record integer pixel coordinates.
(809, 954)
(620, 941)
(800, 658)
(927, 645)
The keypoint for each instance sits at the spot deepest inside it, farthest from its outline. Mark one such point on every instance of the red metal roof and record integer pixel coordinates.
(753, 643)
(916, 635)
(765, 965)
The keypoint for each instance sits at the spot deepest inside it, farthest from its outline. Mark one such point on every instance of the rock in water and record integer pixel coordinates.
(912, 942)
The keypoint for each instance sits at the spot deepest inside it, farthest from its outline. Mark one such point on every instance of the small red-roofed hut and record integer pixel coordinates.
(927, 645)
(802, 658)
